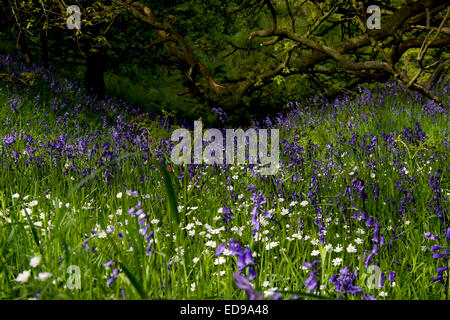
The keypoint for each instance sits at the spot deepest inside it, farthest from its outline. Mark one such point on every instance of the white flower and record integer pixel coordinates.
(358, 241)
(337, 262)
(193, 286)
(271, 245)
(35, 261)
(33, 203)
(315, 253)
(102, 235)
(195, 260)
(119, 195)
(25, 211)
(211, 244)
(268, 293)
(16, 196)
(297, 236)
(189, 226)
(266, 284)
(383, 294)
(44, 276)
(351, 248)
(227, 252)
(304, 203)
(220, 260)
(23, 277)
(154, 221)
(338, 248)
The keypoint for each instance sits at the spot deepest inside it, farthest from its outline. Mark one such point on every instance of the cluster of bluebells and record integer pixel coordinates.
(344, 282)
(342, 180)
(440, 253)
(312, 282)
(114, 274)
(243, 255)
(144, 230)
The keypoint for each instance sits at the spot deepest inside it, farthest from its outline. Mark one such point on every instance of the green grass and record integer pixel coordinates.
(70, 207)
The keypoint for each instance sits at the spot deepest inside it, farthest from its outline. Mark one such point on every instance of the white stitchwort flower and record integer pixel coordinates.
(211, 244)
(35, 261)
(102, 235)
(315, 253)
(268, 293)
(271, 245)
(16, 196)
(220, 260)
(304, 203)
(351, 248)
(23, 277)
(33, 203)
(42, 276)
(337, 262)
(119, 195)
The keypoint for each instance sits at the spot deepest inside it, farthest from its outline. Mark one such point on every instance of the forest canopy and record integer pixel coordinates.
(236, 55)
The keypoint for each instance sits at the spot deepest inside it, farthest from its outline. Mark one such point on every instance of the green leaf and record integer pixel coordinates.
(134, 282)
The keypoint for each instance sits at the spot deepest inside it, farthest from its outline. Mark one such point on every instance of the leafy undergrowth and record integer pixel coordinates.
(357, 210)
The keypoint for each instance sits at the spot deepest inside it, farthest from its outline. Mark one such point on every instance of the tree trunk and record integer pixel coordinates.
(95, 68)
